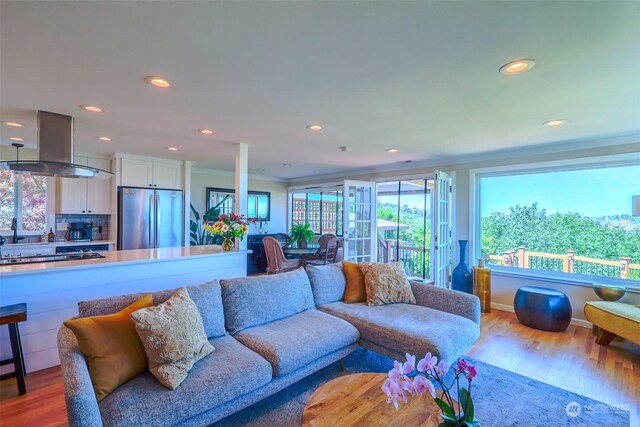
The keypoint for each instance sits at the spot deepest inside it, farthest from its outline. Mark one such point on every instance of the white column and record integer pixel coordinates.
(242, 184)
(186, 178)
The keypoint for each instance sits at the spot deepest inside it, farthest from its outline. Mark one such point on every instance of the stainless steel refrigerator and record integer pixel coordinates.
(149, 218)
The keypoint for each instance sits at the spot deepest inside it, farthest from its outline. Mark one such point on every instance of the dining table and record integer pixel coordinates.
(296, 251)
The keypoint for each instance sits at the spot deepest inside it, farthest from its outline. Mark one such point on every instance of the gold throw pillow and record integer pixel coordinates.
(173, 337)
(354, 290)
(386, 283)
(112, 347)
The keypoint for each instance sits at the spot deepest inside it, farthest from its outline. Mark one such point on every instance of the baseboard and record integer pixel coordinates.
(509, 308)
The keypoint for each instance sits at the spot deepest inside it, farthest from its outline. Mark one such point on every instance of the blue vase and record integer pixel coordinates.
(462, 278)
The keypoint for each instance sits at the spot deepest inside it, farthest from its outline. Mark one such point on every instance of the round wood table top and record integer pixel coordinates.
(358, 400)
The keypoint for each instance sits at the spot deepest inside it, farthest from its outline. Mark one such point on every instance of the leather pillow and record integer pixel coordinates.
(173, 337)
(112, 347)
(355, 290)
(386, 283)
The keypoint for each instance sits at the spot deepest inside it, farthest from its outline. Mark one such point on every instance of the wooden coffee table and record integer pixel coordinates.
(358, 400)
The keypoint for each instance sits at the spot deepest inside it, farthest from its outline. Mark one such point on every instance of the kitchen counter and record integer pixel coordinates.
(55, 244)
(132, 256)
(52, 290)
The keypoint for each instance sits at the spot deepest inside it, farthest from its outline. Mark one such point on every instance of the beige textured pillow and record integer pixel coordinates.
(173, 337)
(386, 283)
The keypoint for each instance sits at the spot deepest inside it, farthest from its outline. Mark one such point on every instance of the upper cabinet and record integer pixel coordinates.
(85, 195)
(136, 172)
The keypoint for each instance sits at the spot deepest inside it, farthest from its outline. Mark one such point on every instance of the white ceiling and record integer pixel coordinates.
(419, 76)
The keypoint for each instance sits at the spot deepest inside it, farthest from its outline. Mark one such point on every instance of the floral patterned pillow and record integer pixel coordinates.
(386, 283)
(173, 337)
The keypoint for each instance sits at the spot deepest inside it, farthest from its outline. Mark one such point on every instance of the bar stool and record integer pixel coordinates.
(11, 315)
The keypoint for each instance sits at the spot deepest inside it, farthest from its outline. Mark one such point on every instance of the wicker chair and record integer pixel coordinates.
(283, 238)
(277, 263)
(326, 253)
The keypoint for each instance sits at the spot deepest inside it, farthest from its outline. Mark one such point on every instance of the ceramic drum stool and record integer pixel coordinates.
(542, 308)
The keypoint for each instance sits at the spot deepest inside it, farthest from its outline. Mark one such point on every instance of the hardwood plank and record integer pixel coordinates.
(569, 360)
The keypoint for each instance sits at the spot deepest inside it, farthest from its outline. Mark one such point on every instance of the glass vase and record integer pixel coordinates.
(228, 244)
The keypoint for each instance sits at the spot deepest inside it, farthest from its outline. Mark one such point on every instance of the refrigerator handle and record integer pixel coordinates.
(152, 213)
(157, 220)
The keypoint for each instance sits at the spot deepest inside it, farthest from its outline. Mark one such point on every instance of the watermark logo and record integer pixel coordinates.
(573, 409)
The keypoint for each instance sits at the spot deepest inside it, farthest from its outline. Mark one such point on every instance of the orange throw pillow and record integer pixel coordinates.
(355, 290)
(112, 347)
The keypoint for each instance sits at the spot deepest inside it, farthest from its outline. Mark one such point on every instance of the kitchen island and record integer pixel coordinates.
(52, 290)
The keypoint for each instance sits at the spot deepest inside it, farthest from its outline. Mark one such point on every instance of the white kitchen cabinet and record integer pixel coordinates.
(136, 172)
(167, 175)
(85, 195)
(148, 173)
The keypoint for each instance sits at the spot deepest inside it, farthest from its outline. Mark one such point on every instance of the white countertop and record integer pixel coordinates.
(112, 257)
(55, 244)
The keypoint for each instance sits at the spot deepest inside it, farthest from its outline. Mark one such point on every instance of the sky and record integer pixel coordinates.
(592, 193)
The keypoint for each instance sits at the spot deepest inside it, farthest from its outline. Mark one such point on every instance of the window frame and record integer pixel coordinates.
(629, 159)
(320, 189)
(49, 210)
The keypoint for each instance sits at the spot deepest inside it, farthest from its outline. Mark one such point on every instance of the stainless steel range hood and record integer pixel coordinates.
(55, 151)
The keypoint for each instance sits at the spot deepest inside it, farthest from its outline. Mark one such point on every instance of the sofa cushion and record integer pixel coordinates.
(355, 291)
(111, 346)
(207, 298)
(173, 337)
(231, 371)
(408, 328)
(293, 342)
(252, 301)
(386, 283)
(327, 282)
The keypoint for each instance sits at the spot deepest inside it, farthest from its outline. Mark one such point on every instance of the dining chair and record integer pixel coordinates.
(283, 238)
(329, 252)
(276, 261)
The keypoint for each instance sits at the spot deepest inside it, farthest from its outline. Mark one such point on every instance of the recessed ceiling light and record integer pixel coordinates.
(157, 81)
(287, 165)
(314, 127)
(92, 108)
(104, 138)
(206, 131)
(172, 148)
(517, 67)
(392, 150)
(554, 122)
(13, 124)
(15, 138)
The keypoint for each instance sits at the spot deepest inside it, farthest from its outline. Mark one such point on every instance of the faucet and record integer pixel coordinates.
(14, 227)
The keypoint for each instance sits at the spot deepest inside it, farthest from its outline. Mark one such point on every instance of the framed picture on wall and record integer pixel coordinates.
(258, 202)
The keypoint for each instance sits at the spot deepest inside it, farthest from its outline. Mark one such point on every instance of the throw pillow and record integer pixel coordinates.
(355, 290)
(173, 337)
(386, 283)
(112, 347)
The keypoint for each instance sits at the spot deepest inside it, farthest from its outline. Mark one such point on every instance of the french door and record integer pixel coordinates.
(441, 230)
(360, 216)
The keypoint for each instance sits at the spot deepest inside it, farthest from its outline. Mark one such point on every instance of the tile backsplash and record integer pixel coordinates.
(100, 224)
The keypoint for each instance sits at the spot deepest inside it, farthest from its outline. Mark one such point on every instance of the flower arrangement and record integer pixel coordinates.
(406, 379)
(228, 226)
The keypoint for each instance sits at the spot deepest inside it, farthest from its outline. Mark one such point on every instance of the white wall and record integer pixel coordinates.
(504, 287)
(203, 178)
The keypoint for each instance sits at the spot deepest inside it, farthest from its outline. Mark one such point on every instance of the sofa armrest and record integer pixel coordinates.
(448, 300)
(82, 405)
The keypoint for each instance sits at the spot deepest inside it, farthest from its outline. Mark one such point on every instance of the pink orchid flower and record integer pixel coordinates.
(441, 368)
(392, 390)
(428, 363)
(473, 372)
(423, 385)
(396, 372)
(409, 365)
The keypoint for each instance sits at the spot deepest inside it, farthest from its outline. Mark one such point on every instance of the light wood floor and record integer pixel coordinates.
(569, 360)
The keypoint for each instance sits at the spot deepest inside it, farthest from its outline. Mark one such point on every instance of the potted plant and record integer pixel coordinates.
(408, 378)
(301, 234)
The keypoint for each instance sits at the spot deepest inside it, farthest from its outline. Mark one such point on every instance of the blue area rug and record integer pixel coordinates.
(502, 399)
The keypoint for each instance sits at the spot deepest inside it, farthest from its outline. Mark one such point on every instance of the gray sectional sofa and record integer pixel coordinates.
(268, 332)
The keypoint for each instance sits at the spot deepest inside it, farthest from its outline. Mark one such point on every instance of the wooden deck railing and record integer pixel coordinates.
(568, 263)
(390, 251)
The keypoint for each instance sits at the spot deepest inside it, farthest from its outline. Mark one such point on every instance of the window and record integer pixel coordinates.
(25, 198)
(322, 210)
(571, 221)
(404, 224)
